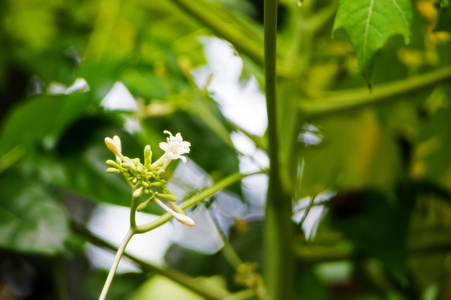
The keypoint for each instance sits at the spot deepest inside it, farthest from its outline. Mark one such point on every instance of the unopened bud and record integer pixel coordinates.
(128, 165)
(157, 184)
(176, 208)
(112, 163)
(112, 170)
(142, 206)
(147, 156)
(169, 197)
(184, 219)
(138, 192)
(114, 144)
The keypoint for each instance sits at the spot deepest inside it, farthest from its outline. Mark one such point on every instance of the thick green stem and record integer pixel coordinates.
(117, 259)
(278, 259)
(381, 93)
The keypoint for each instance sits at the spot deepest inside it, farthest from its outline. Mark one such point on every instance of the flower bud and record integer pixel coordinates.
(184, 219)
(142, 206)
(176, 208)
(112, 163)
(138, 192)
(114, 145)
(128, 165)
(169, 197)
(147, 156)
(112, 170)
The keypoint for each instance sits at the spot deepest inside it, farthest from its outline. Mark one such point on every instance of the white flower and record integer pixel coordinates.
(174, 148)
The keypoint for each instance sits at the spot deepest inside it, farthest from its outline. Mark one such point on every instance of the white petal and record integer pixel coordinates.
(164, 146)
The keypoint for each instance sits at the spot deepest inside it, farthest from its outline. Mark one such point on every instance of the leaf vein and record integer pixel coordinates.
(365, 36)
(401, 12)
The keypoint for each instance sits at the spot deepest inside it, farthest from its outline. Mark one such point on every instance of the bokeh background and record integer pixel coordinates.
(372, 210)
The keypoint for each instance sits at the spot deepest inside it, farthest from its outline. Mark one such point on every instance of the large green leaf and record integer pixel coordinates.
(40, 120)
(356, 151)
(444, 22)
(369, 24)
(30, 218)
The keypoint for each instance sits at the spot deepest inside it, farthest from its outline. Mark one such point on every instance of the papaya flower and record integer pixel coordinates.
(174, 148)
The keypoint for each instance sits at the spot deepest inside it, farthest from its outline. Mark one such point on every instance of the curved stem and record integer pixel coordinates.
(117, 259)
(133, 208)
(384, 92)
(198, 287)
(195, 199)
(307, 210)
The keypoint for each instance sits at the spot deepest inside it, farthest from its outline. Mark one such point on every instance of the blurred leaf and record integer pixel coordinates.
(370, 23)
(375, 227)
(40, 120)
(124, 286)
(30, 218)
(355, 152)
(433, 146)
(161, 288)
(444, 22)
(309, 286)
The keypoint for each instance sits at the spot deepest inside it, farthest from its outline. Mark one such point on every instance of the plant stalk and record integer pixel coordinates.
(381, 93)
(278, 256)
(117, 259)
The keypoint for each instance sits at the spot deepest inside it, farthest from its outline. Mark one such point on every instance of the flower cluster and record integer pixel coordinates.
(148, 178)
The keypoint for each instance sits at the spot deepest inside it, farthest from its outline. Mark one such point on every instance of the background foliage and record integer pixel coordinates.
(363, 114)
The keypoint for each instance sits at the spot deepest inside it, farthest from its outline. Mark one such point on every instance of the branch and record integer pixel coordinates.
(195, 200)
(360, 97)
(315, 254)
(188, 282)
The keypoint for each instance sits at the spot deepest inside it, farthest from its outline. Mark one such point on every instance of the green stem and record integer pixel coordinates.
(278, 259)
(307, 210)
(11, 157)
(190, 283)
(360, 97)
(117, 259)
(133, 207)
(195, 200)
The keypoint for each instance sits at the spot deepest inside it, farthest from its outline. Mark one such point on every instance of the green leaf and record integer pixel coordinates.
(161, 288)
(356, 151)
(370, 23)
(30, 218)
(444, 21)
(40, 121)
